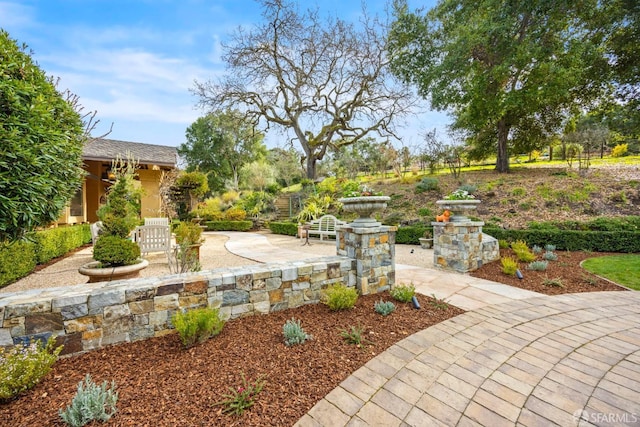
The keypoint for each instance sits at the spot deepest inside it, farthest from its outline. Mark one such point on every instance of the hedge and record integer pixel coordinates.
(409, 235)
(573, 240)
(286, 228)
(18, 259)
(229, 225)
(55, 242)
(626, 223)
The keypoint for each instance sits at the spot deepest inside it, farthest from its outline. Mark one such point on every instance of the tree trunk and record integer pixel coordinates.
(311, 166)
(502, 162)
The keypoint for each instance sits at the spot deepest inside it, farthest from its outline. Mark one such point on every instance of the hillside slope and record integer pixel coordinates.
(526, 194)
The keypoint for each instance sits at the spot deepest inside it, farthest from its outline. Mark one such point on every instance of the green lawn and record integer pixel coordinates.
(622, 269)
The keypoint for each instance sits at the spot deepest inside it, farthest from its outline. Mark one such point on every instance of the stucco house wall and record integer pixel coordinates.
(98, 155)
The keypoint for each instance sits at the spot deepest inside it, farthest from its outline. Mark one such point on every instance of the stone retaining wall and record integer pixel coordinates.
(93, 315)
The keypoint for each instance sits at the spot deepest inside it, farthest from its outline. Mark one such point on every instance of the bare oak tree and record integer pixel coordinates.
(325, 80)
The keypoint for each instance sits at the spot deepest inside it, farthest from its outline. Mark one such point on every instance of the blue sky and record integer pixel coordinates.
(134, 61)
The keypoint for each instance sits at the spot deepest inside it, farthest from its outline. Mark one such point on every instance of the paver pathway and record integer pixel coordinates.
(517, 358)
(566, 360)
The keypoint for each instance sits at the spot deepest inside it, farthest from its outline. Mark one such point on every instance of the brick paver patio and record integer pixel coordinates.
(566, 360)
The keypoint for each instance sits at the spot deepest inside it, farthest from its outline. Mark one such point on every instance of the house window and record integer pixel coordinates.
(76, 207)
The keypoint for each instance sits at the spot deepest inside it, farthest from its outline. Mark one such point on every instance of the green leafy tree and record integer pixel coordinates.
(507, 71)
(219, 144)
(287, 165)
(258, 175)
(41, 140)
(324, 80)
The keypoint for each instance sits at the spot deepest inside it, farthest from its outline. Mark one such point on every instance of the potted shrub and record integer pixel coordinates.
(116, 256)
(426, 241)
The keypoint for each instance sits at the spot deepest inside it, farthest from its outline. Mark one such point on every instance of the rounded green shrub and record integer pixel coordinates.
(197, 325)
(115, 251)
(340, 297)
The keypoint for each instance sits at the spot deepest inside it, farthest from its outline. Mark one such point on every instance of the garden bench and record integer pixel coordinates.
(326, 225)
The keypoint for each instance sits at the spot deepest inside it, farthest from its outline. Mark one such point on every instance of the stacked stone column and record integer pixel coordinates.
(373, 251)
(461, 246)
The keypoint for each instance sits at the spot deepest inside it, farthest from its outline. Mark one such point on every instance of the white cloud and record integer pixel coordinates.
(15, 15)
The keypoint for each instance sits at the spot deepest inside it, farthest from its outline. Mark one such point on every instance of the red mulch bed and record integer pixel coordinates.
(567, 268)
(162, 384)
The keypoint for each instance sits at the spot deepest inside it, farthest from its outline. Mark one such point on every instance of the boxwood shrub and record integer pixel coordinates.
(229, 225)
(286, 228)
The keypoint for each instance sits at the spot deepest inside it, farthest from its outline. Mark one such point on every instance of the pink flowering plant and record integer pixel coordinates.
(242, 398)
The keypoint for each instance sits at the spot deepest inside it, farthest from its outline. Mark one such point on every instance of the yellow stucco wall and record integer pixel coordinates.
(150, 202)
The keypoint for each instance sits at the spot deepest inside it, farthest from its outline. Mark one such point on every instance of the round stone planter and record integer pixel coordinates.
(109, 274)
(364, 206)
(458, 208)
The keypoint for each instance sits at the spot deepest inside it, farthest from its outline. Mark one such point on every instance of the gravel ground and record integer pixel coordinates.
(213, 254)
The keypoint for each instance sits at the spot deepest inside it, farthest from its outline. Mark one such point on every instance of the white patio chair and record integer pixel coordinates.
(154, 238)
(156, 221)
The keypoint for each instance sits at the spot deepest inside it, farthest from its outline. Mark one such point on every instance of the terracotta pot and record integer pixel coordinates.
(109, 274)
(364, 206)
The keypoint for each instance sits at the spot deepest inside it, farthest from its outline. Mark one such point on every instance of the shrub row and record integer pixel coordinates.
(286, 228)
(573, 240)
(229, 225)
(18, 259)
(627, 223)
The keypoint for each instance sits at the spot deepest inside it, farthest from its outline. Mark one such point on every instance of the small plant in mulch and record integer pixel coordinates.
(353, 335)
(438, 303)
(340, 297)
(550, 256)
(556, 283)
(509, 265)
(239, 399)
(91, 402)
(538, 265)
(403, 293)
(23, 366)
(198, 325)
(293, 333)
(590, 280)
(522, 251)
(384, 308)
